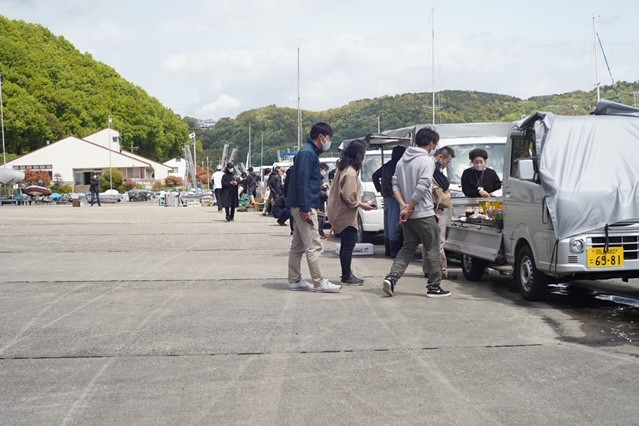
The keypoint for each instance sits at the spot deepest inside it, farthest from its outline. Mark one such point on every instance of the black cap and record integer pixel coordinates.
(478, 152)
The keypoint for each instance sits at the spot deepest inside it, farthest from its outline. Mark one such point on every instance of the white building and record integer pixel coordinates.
(75, 160)
(177, 167)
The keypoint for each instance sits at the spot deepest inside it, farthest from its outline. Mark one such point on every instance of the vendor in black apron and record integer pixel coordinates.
(479, 180)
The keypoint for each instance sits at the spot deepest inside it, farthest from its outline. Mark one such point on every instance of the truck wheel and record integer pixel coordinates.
(532, 283)
(472, 267)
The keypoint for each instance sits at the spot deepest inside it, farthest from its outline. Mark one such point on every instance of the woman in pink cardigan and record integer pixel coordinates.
(344, 200)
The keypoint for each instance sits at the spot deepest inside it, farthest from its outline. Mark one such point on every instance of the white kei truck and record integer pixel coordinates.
(570, 197)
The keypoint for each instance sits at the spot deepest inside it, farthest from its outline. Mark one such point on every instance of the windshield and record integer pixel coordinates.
(372, 162)
(461, 162)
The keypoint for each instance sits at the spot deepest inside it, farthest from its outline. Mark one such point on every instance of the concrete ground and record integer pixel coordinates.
(138, 314)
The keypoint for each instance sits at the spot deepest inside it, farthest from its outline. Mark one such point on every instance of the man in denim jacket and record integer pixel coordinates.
(303, 198)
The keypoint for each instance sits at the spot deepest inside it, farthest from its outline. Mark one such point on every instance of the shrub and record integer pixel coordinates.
(33, 177)
(173, 181)
(128, 184)
(105, 180)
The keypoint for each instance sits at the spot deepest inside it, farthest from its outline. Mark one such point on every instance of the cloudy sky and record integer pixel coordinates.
(217, 58)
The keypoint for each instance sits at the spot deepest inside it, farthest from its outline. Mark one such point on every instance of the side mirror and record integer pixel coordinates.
(526, 169)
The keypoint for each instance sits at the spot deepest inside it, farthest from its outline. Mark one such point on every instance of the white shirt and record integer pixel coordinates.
(217, 179)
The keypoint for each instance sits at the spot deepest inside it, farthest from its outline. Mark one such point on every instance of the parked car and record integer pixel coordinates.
(140, 195)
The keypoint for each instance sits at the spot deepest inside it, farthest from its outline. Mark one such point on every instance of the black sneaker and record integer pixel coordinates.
(352, 280)
(436, 291)
(450, 277)
(389, 285)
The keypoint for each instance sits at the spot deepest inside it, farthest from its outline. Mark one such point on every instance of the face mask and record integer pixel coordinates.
(480, 167)
(326, 145)
(231, 169)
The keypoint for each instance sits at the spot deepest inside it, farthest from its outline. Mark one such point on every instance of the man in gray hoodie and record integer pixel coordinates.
(413, 181)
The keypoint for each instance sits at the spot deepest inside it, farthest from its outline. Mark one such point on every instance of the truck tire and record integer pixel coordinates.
(362, 236)
(360, 231)
(472, 267)
(532, 284)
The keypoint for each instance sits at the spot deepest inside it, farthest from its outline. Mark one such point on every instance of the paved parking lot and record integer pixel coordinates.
(139, 314)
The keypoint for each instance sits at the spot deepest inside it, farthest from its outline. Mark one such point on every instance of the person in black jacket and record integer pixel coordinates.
(251, 183)
(382, 179)
(229, 192)
(275, 189)
(95, 189)
(479, 180)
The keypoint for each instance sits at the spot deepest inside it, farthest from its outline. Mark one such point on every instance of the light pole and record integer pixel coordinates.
(208, 179)
(194, 150)
(110, 170)
(4, 152)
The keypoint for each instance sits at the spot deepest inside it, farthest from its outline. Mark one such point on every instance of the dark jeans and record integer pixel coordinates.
(95, 194)
(218, 199)
(348, 239)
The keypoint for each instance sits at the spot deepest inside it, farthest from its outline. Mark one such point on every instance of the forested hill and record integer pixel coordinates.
(51, 91)
(278, 128)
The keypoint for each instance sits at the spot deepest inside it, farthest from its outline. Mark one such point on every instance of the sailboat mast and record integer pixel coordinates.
(433, 59)
(248, 155)
(594, 35)
(299, 110)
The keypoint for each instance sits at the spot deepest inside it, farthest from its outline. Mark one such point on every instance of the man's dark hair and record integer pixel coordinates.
(321, 128)
(353, 155)
(250, 169)
(446, 152)
(425, 136)
(324, 166)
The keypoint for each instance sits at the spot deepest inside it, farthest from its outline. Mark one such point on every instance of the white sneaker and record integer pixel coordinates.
(328, 287)
(301, 285)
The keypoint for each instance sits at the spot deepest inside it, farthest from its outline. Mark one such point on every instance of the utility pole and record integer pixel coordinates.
(594, 31)
(4, 151)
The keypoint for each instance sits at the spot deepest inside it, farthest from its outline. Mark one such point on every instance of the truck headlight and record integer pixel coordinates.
(576, 245)
(369, 198)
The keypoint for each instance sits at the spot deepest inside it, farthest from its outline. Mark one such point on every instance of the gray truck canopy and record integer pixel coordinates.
(589, 168)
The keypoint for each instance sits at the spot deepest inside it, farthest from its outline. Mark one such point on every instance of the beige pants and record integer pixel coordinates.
(441, 220)
(306, 240)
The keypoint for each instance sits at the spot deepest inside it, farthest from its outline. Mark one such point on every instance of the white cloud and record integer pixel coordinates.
(224, 106)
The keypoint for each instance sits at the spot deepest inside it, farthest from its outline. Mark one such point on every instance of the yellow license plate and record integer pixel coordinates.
(597, 258)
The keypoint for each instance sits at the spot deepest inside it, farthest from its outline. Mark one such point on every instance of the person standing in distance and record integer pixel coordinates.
(303, 198)
(414, 178)
(217, 186)
(95, 189)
